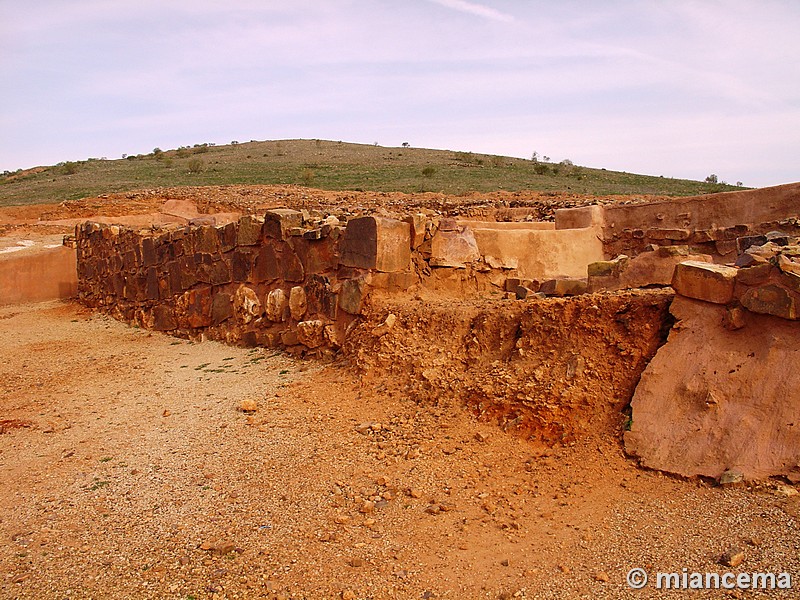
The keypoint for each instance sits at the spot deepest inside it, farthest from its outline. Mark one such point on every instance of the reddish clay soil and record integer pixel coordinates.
(140, 477)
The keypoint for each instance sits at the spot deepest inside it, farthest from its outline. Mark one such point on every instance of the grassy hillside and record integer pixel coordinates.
(331, 166)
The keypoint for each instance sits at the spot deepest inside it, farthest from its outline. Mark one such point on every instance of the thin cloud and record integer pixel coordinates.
(476, 9)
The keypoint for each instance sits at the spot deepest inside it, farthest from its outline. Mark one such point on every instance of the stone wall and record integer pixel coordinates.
(281, 280)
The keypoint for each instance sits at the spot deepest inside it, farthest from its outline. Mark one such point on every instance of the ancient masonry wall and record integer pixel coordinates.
(294, 281)
(260, 281)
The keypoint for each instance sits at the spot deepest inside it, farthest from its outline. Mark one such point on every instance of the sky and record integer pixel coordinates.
(679, 88)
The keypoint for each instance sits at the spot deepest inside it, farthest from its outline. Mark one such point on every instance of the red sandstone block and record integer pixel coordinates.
(376, 243)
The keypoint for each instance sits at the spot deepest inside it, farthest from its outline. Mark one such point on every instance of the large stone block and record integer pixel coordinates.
(227, 237)
(249, 230)
(266, 265)
(279, 221)
(205, 240)
(316, 256)
(376, 243)
(221, 308)
(704, 281)
(771, 299)
(454, 248)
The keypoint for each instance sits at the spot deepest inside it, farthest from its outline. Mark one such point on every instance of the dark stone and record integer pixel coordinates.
(290, 266)
(188, 272)
(321, 300)
(174, 278)
(152, 291)
(249, 231)
(220, 273)
(352, 295)
(221, 308)
(242, 265)
(148, 252)
(164, 318)
(316, 256)
(205, 240)
(250, 339)
(743, 243)
(778, 238)
(227, 237)
(266, 265)
(129, 262)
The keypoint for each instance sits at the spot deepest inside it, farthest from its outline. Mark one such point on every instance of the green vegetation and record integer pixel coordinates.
(330, 166)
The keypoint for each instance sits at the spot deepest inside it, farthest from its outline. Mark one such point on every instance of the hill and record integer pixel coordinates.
(329, 165)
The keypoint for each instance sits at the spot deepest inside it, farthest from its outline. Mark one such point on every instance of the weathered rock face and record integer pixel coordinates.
(717, 398)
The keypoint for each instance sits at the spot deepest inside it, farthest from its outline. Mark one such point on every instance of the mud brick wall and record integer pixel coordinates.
(281, 280)
(708, 224)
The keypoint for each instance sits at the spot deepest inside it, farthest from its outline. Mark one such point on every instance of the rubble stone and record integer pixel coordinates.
(311, 333)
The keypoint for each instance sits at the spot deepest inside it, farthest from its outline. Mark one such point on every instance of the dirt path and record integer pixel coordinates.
(127, 471)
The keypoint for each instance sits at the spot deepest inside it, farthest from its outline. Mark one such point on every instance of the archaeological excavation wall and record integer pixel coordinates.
(426, 297)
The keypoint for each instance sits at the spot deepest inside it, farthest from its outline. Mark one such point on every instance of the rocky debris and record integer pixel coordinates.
(733, 558)
(248, 406)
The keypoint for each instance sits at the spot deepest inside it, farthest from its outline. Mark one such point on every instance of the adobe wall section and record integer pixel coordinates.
(48, 274)
(709, 223)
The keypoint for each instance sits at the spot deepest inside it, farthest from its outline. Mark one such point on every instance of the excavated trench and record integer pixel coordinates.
(552, 370)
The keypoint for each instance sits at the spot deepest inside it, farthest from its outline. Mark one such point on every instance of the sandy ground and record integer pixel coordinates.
(128, 471)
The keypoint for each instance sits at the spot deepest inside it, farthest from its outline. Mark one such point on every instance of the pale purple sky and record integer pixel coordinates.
(678, 88)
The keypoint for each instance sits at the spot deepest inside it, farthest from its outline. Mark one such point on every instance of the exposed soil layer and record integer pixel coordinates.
(551, 370)
(139, 477)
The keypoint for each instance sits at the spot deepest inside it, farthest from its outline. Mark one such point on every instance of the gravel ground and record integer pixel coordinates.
(129, 470)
